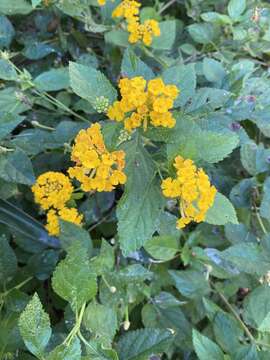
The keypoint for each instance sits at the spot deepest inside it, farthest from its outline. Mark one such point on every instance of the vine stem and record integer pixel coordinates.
(235, 314)
(77, 326)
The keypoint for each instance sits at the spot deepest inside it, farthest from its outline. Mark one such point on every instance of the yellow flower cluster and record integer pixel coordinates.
(96, 168)
(193, 189)
(142, 103)
(52, 191)
(129, 10)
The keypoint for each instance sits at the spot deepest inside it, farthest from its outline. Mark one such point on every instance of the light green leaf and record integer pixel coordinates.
(265, 203)
(71, 232)
(15, 7)
(215, 17)
(257, 308)
(142, 200)
(7, 71)
(169, 30)
(162, 247)
(9, 103)
(117, 37)
(205, 348)
(102, 321)
(190, 283)
(97, 351)
(246, 257)
(35, 3)
(52, 80)
(89, 83)
(201, 33)
(34, 326)
(8, 261)
(184, 77)
(8, 122)
(66, 352)
(133, 66)
(213, 70)
(140, 344)
(105, 260)
(7, 32)
(16, 167)
(73, 279)
(236, 8)
(222, 212)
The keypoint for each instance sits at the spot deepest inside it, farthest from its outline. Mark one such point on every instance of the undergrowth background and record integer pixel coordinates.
(128, 284)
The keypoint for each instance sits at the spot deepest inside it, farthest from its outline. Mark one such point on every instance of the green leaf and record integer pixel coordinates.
(15, 7)
(41, 265)
(52, 80)
(102, 321)
(8, 261)
(90, 83)
(142, 200)
(222, 212)
(105, 260)
(140, 344)
(16, 167)
(37, 50)
(8, 122)
(257, 308)
(7, 32)
(133, 66)
(213, 70)
(66, 352)
(99, 352)
(215, 17)
(184, 77)
(117, 37)
(205, 348)
(190, 283)
(227, 332)
(71, 232)
(236, 8)
(7, 71)
(201, 33)
(35, 328)
(265, 203)
(246, 257)
(162, 247)
(189, 141)
(169, 30)
(9, 103)
(73, 279)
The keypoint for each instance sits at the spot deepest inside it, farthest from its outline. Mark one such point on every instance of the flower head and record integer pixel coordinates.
(95, 167)
(67, 214)
(193, 190)
(52, 189)
(143, 103)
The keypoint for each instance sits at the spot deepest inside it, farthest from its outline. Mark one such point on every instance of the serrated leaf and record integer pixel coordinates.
(142, 201)
(222, 211)
(190, 283)
(97, 351)
(71, 232)
(35, 328)
(184, 77)
(162, 247)
(16, 167)
(7, 71)
(66, 352)
(8, 122)
(102, 321)
(89, 83)
(105, 260)
(205, 348)
(8, 261)
(133, 66)
(246, 257)
(189, 141)
(257, 308)
(52, 80)
(139, 344)
(73, 279)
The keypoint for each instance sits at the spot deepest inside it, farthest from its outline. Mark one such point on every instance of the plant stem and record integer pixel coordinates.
(230, 307)
(76, 327)
(17, 287)
(166, 6)
(260, 221)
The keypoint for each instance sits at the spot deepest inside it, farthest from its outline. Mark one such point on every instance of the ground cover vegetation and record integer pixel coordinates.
(134, 180)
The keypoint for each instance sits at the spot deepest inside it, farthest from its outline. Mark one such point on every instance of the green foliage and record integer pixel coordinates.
(128, 284)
